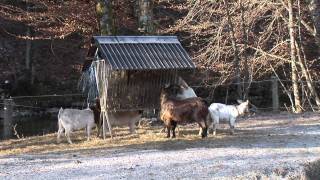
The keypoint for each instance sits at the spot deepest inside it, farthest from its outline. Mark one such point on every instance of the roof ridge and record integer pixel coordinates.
(136, 39)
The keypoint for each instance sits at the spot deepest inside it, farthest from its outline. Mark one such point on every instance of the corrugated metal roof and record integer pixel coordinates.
(143, 52)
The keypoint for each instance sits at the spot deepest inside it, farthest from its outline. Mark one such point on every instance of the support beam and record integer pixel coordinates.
(8, 119)
(275, 94)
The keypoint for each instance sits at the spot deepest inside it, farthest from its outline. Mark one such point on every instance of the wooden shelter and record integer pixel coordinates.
(136, 68)
(128, 72)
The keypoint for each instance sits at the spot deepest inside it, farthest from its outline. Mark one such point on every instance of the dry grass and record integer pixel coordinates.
(146, 137)
(249, 131)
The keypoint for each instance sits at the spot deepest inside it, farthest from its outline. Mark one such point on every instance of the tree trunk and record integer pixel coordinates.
(28, 60)
(246, 84)
(314, 6)
(28, 49)
(235, 49)
(294, 73)
(106, 18)
(307, 77)
(145, 16)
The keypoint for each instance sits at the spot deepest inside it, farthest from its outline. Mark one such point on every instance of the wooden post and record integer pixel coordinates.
(7, 121)
(275, 94)
(104, 125)
(109, 124)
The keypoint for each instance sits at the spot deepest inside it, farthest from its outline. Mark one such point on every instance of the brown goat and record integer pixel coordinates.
(118, 118)
(188, 110)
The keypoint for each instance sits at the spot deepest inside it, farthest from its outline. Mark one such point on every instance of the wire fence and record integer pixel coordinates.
(259, 93)
(49, 101)
(36, 115)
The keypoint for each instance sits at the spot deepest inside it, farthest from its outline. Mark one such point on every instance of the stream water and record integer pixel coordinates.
(32, 126)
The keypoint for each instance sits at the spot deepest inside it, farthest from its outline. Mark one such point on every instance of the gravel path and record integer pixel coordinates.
(274, 148)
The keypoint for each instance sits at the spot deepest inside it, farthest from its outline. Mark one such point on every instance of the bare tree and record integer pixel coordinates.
(145, 16)
(261, 33)
(294, 73)
(106, 17)
(246, 84)
(314, 6)
(303, 62)
(28, 61)
(307, 77)
(236, 59)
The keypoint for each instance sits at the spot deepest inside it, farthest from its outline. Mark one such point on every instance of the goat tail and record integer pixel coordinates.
(59, 121)
(59, 114)
(60, 127)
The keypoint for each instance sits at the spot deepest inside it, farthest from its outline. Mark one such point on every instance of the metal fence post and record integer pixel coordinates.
(275, 94)
(7, 121)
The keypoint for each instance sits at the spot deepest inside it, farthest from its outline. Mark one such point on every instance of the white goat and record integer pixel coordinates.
(74, 119)
(222, 112)
(186, 91)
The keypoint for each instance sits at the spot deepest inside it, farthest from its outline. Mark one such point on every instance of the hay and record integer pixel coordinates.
(48, 143)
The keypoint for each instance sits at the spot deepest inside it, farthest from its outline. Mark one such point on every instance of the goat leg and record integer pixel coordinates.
(204, 128)
(60, 131)
(200, 131)
(204, 132)
(214, 129)
(88, 133)
(99, 125)
(67, 133)
(168, 131)
(132, 127)
(173, 128)
(231, 124)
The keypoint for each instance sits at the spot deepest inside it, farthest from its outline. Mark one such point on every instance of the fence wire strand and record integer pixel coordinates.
(93, 93)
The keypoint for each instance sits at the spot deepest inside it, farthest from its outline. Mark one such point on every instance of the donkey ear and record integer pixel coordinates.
(239, 101)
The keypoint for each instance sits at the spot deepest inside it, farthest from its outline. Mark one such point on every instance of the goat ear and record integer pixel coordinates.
(239, 101)
(166, 85)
